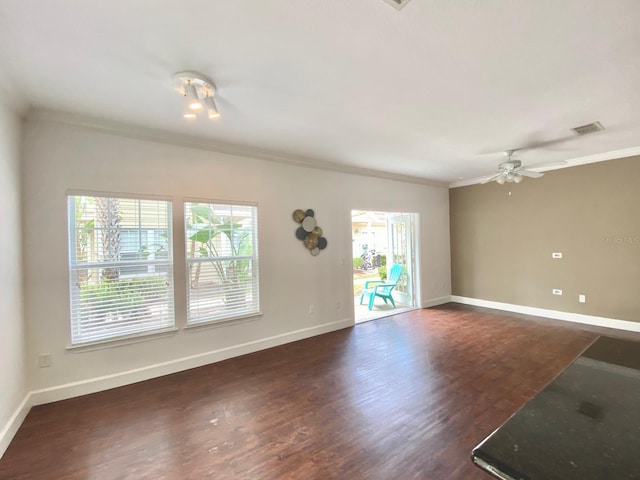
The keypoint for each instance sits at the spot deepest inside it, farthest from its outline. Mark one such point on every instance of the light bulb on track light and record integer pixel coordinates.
(212, 109)
(192, 97)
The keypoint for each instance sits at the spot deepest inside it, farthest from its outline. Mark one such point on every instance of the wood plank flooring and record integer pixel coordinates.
(405, 397)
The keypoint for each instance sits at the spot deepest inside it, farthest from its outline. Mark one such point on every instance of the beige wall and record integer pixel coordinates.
(501, 243)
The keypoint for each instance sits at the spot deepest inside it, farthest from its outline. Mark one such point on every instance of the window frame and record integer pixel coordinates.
(119, 335)
(215, 320)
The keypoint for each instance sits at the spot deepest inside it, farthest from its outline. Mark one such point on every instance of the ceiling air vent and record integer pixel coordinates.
(397, 3)
(587, 129)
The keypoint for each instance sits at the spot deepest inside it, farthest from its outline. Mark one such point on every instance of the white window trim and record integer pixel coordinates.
(222, 322)
(123, 340)
(195, 325)
(135, 337)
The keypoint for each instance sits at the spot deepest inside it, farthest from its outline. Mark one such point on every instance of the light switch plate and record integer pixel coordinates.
(556, 255)
(44, 360)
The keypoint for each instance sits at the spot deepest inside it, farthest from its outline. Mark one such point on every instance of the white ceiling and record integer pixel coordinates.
(435, 91)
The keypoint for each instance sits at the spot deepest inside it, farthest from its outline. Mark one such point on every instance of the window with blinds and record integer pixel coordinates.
(222, 262)
(121, 267)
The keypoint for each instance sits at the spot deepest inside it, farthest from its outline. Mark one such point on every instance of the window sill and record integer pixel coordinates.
(221, 322)
(121, 341)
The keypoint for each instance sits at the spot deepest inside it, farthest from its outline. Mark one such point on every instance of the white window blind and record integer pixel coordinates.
(222, 261)
(121, 267)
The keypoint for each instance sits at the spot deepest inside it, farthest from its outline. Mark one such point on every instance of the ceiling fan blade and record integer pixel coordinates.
(529, 173)
(531, 144)
(535, 143)
(491, 178)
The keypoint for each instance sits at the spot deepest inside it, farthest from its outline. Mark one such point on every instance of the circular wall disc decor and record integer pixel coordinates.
(310, 242)
(299, 215)
(300, 233)
(309, 232)
(309, 223)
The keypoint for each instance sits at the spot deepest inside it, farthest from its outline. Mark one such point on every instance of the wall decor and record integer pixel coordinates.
(309, 232)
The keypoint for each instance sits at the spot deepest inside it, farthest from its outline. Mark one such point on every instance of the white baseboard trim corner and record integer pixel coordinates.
(97, 384)
(13, 424)
(554, 314)
(434, 302)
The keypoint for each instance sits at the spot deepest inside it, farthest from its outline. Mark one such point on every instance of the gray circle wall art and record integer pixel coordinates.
(309, 232)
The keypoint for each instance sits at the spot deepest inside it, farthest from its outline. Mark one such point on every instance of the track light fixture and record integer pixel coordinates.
(197, 89)
(193, 101)
(212, 109)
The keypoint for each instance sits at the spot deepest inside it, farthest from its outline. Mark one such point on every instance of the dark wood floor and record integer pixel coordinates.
(406, 397)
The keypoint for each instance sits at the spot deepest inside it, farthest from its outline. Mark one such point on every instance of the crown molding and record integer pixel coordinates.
(573, 162)
(598, 157)
(466, 182)
(201, 143)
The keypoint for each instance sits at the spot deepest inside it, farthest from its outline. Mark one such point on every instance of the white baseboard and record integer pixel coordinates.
(434, 302)
(13, 424)
(554, 314)
(92, 385)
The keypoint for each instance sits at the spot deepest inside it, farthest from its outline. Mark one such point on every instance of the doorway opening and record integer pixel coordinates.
(384, 273)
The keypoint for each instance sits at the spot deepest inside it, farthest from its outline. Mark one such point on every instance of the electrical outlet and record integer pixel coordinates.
(312, 309)
(582, 298)
(44, 360)
(556, 291)
(338, 305)
(556, 255)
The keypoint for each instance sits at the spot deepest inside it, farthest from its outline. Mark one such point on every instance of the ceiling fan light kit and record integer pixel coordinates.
(511, 171)
(197, 90)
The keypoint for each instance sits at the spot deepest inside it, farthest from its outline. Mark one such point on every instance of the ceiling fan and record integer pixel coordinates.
(511, 170)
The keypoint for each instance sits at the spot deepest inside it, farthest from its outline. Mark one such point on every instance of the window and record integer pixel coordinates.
(121, 267)
(222, 261)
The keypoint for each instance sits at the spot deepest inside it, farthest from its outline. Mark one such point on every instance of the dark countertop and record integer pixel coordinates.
(584, 425)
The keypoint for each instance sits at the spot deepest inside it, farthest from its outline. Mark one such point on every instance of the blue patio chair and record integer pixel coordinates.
(384, 288)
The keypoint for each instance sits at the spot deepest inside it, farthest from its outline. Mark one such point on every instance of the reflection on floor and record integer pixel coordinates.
(379, 310)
